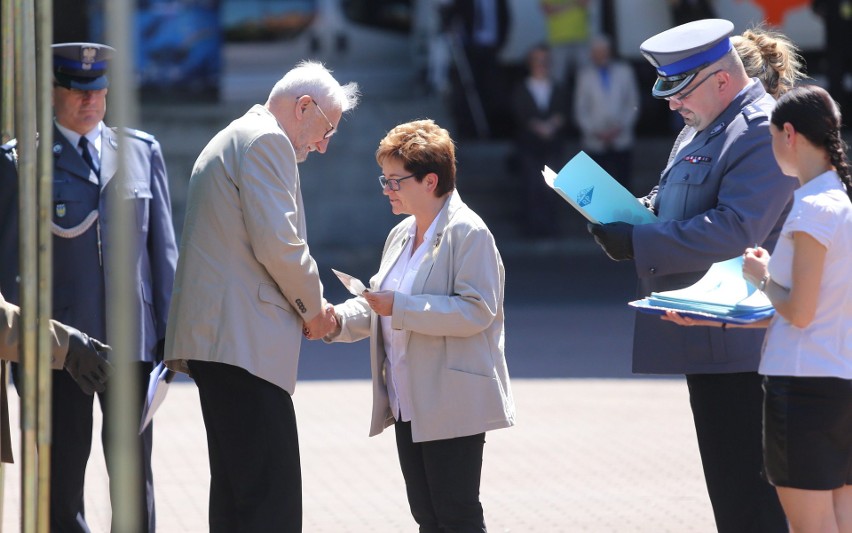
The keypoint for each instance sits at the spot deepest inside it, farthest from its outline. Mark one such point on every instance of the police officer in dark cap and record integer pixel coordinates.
(85, 184)
(721, 192)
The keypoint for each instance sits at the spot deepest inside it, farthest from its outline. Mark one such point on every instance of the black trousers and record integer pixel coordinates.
(727, 410)
(442, 481)
(72, 444)
(255, 470)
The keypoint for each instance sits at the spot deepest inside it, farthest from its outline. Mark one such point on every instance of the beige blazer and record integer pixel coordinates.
(245, 279)
(10, 328)
(453, 320)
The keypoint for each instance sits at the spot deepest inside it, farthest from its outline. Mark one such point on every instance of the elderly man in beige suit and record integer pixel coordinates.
(246, 286)
(70, 349)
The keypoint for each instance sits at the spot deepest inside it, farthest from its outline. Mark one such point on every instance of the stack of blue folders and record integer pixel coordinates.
(722, 295)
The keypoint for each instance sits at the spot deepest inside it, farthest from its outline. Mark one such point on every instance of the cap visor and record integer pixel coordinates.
(665, 87)
(80, 83)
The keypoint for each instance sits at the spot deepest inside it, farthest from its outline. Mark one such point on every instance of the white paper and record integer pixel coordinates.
(158, 385)
(352, 284)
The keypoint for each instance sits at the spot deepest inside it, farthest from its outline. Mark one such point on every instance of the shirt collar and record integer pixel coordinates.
(94, 136)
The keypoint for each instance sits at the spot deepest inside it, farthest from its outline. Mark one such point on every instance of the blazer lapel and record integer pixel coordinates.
(434, 247)
(389, 259)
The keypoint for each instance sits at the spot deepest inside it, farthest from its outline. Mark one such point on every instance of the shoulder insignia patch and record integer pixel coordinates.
(751, 112)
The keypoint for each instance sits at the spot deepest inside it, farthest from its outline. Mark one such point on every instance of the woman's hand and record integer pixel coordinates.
(755, 261)
(381, 302)
(680, 320)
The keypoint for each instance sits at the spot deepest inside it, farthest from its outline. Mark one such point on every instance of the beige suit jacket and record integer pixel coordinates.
(10, 335)
(453, 320)
(245, 279)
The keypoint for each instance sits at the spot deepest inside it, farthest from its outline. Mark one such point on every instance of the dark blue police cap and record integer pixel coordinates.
(81, 65)
(681, 52)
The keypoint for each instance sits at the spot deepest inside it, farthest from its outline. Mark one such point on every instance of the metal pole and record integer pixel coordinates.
(44, 85)
(7, 41)
(124, 411)
(7, 126)
(25, 127)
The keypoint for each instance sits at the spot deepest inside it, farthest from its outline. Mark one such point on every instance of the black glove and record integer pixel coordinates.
(615, 238)
(86, 362)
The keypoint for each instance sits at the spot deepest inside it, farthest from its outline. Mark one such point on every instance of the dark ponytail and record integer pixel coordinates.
(814, 114)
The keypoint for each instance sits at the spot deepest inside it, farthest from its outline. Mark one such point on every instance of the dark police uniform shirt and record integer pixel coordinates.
(81, 274)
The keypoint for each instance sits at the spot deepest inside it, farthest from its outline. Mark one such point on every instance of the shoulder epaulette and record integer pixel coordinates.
(751, 112)
(138, 134)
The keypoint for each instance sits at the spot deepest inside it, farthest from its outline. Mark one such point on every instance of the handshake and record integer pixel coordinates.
(321, 325)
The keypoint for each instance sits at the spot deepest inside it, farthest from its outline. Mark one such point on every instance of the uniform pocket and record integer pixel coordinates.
(139, 193)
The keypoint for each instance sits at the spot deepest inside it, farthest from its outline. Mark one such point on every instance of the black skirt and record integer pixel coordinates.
(807, 432)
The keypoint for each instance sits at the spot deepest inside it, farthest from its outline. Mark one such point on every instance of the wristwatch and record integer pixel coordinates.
(763, 281)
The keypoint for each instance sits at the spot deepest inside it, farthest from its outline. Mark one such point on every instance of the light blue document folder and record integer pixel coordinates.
(721, 294)
(595, 194)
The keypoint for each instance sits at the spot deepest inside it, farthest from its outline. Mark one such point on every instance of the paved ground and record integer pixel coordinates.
(590, 455)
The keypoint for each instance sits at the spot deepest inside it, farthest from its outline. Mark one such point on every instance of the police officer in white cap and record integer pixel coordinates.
(85, 184)
(721, 192)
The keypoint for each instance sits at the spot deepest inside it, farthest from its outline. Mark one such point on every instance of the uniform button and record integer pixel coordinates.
(685, 178)
(653, 270)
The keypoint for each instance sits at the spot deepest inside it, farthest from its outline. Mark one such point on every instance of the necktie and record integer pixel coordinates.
(87, 155)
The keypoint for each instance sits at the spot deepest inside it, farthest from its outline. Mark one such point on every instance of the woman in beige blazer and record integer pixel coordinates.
(434, 315)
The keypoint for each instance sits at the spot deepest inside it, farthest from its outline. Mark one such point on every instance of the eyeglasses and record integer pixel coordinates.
(393, 183)
(684, 96)
(331, 129)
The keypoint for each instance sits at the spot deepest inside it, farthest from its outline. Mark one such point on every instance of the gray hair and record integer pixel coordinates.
(314, 79)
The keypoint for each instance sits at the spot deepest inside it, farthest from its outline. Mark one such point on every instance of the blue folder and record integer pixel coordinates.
(722, 294)
(595, 194)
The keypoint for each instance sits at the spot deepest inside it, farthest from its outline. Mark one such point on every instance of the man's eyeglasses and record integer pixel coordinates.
(331, 129)
(393, 183)
(683, 96)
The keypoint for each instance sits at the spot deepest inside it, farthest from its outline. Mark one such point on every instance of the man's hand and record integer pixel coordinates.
(615, 238)
(86, 362)
(321, 325)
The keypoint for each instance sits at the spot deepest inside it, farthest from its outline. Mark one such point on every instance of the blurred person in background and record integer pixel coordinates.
(606, 106)
(540, 109)
(568, 32)
(837, 17)
(480, 27)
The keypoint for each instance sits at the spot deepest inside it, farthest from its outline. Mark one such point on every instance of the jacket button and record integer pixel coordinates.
(652, 270)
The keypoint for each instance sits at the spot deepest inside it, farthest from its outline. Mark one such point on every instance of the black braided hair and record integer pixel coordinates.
(815, 114)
